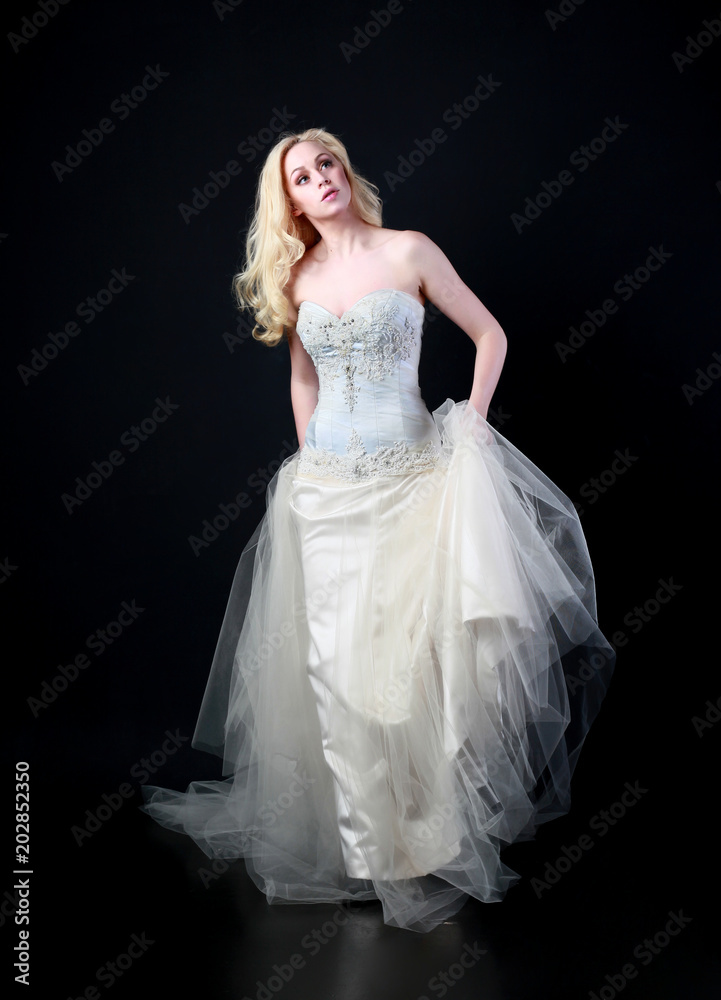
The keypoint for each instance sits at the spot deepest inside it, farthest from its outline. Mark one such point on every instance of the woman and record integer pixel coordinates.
(410, 659)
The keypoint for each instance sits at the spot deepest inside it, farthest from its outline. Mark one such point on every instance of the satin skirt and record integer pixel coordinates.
(405, 675)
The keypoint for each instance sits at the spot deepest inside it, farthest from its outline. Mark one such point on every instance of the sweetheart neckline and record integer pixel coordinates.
(397, 291)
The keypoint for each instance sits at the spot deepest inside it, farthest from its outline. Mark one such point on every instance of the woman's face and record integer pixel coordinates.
(316, 182)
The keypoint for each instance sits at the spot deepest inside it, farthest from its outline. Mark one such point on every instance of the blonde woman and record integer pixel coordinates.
(410, 658)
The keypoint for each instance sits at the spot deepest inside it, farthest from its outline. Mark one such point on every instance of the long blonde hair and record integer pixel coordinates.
(277, 239)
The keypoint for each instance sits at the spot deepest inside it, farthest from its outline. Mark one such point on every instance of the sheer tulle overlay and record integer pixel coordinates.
(407, 669)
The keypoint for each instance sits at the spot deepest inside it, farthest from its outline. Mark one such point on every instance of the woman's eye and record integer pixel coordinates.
(304, 177)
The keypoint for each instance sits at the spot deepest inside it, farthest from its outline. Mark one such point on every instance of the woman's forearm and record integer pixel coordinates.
(490, 355)
(304, 399)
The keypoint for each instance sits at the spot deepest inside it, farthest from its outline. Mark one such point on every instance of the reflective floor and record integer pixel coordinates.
(604, 909)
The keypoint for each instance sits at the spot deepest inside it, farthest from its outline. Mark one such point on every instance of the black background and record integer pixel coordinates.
(173, 333)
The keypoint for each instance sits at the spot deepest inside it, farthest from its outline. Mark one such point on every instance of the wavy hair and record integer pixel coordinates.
(276, 239)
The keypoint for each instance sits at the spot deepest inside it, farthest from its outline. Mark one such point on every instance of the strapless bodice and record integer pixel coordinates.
(370, 419)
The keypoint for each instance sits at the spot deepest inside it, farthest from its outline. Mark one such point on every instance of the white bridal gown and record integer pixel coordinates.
(410, 659)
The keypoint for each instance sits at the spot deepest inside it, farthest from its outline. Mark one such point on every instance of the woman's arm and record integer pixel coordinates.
(303, 385)
(440, 283)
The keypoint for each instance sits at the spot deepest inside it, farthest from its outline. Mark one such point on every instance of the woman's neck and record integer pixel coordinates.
(343, 239)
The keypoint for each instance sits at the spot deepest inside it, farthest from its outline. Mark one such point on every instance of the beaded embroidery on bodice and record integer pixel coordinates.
(370, 419)
(367, 344)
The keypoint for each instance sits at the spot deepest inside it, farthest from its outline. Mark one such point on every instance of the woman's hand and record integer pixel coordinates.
(475, 423)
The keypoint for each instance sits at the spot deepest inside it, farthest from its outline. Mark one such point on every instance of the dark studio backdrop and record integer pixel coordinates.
(566, 159)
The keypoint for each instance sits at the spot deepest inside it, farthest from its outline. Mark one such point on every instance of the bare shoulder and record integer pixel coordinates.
(416, 258)
(419, 248)
(398, 242)
(399, 248)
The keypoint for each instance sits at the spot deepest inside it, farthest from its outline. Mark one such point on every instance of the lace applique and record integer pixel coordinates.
(357, 464)
(370, 344)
